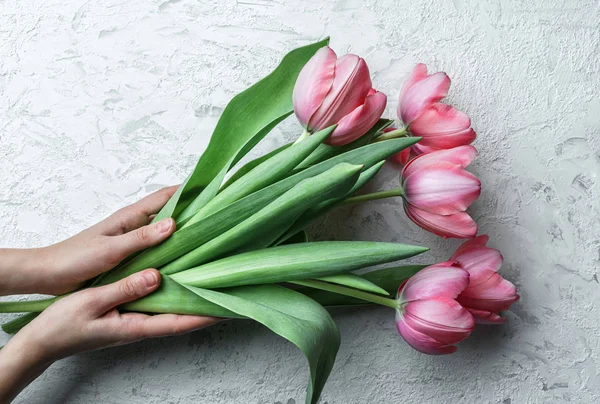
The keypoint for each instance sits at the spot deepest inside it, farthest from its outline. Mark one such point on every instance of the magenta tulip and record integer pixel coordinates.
(438, 190)
(337, 91)
(488, 293)
(429, 318)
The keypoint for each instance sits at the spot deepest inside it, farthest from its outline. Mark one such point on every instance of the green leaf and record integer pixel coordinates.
(263, 175)
(355, 282)
(291, 315)
(294, 262)
(251, 164)
(241, 126)
(13, 326)
(324, 207)
(324, 152)
(269, 223)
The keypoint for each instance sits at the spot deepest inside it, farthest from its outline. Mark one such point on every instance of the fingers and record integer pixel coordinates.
(138, 239)
(138, 214)
(139, 326)
(104, 298)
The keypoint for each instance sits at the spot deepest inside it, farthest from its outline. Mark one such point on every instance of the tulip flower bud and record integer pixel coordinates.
(438, 190)
(488, 293)
(337, 91)
(428, 317)
(439, 125)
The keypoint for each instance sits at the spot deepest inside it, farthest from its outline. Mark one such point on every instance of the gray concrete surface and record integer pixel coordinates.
(105, 101)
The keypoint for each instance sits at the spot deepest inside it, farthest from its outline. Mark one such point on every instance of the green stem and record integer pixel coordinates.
(303, 136)
(392, 135)
(26, 306)
(342, 290)
(374, 196)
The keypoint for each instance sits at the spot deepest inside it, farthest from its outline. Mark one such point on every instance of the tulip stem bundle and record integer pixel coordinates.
(240, 249)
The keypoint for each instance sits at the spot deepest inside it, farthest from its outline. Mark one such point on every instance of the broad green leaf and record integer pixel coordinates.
(241, 126)
(388, 279)
(272, 220)
(324, 152)
(293, 316)
(324, 207)
(251, 164)
(355, 282)
(13, 326)
(263, 175)
(293, 262)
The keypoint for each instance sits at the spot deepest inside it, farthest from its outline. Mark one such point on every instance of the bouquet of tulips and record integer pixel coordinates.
(240, 250)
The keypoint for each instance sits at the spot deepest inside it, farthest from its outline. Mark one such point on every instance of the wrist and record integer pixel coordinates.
(21, 270)
(21, 361)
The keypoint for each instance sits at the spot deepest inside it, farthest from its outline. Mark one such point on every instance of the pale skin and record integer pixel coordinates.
(86, 320)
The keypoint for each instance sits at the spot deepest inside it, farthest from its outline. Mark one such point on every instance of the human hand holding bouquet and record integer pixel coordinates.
(240, 251)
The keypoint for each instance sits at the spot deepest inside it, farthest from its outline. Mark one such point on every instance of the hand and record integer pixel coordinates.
(86, 321)
(65, 266)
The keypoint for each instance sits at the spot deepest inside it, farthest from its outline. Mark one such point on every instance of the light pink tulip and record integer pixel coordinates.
(420, 91)
(438, 190)
(488, 293)
(337, 91)
(442, 127)
(429, 318)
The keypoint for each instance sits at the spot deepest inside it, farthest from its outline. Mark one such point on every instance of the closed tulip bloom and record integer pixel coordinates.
(488, 293)
(429, 318)
(441, 126)
(337, 91)
(438, 190)
(420, 91)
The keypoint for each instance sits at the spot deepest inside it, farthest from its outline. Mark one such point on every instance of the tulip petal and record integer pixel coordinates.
(462, 155)
(421, 93)
(418, 73)
(443, 279)
(486, 317)
(313, 84)
(359, 121)
(442, 319)
(403, 157)
(442, 188)
(422, 342)
(494, 295)
(458, 225)
(443, 127)
(351, 85)
(474, 256)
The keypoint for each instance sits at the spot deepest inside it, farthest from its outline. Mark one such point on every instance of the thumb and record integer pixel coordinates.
(131, 288)
(143, 237)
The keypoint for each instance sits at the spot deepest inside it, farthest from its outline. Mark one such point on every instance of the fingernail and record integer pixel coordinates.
(150, 278)
(164, 225)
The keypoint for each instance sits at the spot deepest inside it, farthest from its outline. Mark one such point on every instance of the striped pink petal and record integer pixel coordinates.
(420, 91)
(443, 188)
(442, 319)
(313, 84)
(443, 127)
(421, 342)
(443, 279)
(458, 225)
(359, 121)
(475, 257)
(486, 317)
(495, 294)
(462, 155)
(351, 85)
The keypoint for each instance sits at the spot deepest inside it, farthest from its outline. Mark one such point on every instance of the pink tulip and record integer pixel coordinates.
(337, 91)
(441, 126)
(488, 293)
(429, 318)
(438, 190)
(420, 91)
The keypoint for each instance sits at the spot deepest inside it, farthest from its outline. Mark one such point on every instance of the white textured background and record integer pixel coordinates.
(104, 101)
